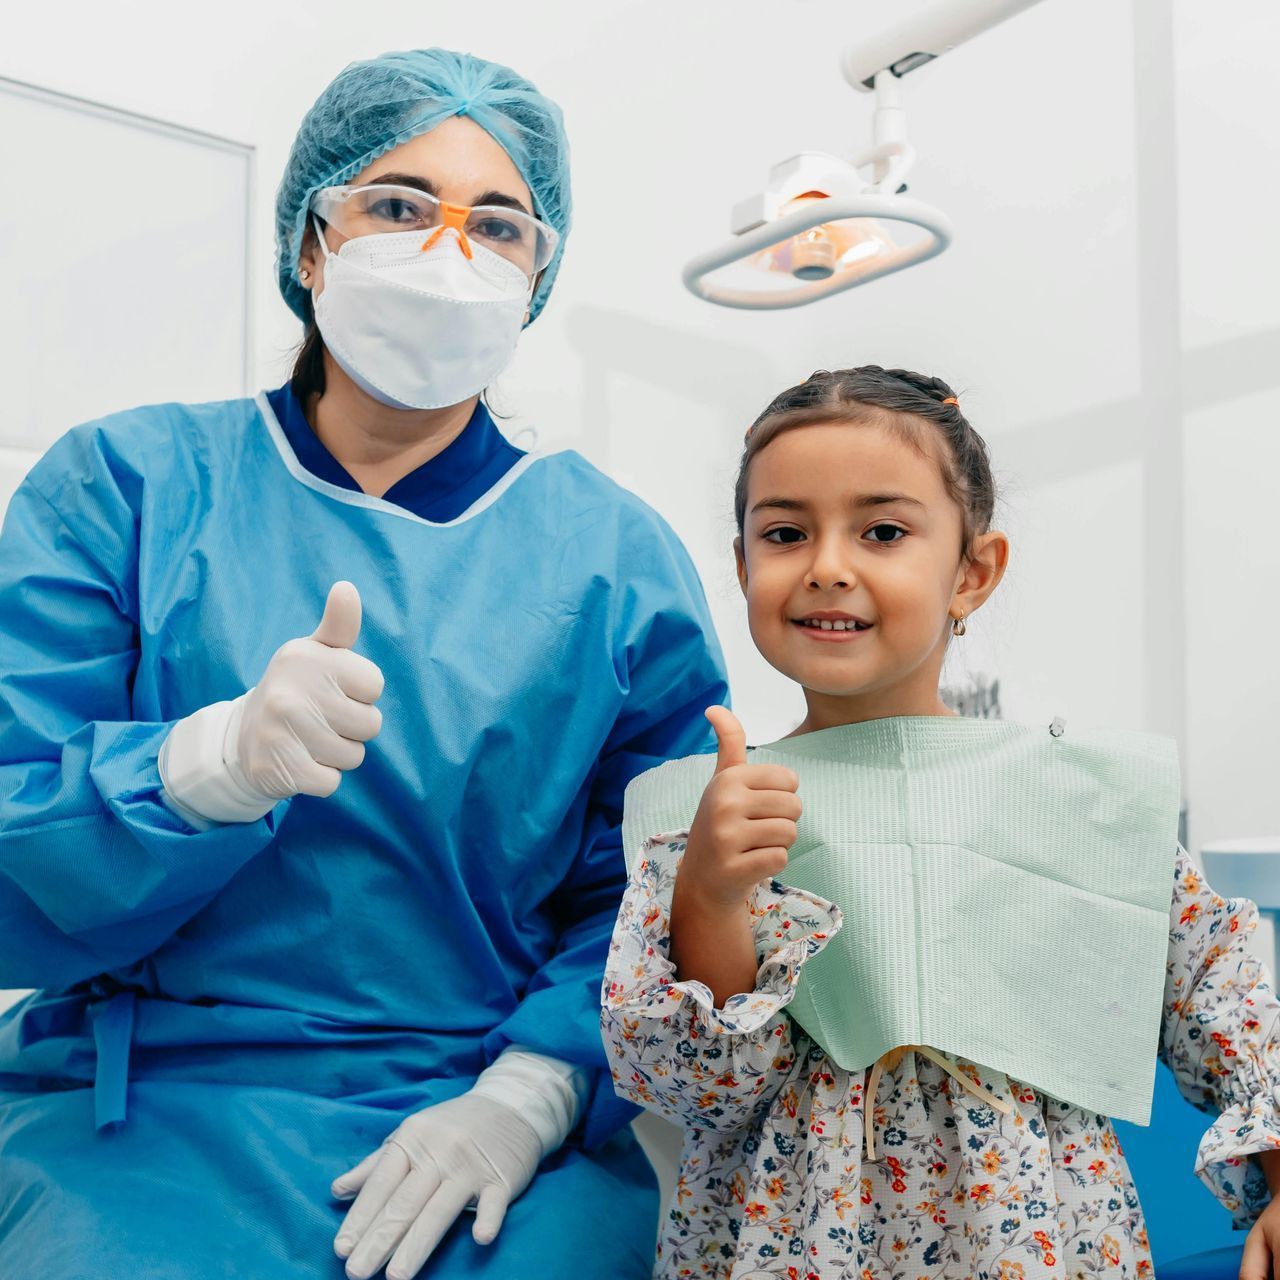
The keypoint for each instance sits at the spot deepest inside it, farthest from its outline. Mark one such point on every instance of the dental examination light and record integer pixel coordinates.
(820, 226)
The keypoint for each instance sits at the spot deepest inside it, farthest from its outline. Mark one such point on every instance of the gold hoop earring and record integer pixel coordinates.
(958, 627)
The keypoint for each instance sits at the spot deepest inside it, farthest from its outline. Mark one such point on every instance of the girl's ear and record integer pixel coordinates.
(741, 562)
(981, 574)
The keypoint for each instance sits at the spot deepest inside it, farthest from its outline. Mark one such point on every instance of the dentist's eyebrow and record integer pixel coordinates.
(500, 198)
(402, 180)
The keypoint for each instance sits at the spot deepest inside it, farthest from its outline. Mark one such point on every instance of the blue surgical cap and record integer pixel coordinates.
(376, 105)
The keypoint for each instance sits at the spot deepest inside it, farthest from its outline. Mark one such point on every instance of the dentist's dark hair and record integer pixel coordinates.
(910, 404)
(307, 378)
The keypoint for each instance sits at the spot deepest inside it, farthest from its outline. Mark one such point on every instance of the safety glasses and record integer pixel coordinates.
(381, 208)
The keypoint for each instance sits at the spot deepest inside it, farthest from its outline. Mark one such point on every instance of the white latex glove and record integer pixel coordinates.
(470, 1148)
(296, 732)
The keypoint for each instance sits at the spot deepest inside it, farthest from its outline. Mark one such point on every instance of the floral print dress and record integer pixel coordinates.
(774, 1179)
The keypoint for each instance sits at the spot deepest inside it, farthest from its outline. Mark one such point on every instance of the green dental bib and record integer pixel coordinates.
(1005, 893)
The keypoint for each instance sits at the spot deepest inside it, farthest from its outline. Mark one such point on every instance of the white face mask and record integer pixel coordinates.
(420, 330)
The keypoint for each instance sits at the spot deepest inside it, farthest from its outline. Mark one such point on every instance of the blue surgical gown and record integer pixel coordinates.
(228, 1019)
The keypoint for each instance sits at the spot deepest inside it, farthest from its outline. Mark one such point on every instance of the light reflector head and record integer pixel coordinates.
(816, 246)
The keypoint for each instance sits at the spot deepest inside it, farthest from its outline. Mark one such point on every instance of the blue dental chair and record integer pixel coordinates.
(1191, 1233)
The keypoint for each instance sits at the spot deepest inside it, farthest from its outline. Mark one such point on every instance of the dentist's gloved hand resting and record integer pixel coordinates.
(481, 1148)
(295, 732)
(431, 1168)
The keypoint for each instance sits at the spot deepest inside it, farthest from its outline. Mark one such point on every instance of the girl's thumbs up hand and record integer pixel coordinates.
(731, 738)
(745, 822)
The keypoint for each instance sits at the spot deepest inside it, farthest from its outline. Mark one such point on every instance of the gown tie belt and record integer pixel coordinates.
(890, 1060)
(112, 1039)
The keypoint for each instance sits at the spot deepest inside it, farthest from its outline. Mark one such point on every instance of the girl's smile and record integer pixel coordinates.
(831, 625)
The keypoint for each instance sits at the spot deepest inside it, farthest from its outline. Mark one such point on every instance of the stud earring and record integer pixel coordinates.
(305, 275)
(958, 627)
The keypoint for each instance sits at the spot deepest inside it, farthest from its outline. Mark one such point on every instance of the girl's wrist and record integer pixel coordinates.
(709, 903)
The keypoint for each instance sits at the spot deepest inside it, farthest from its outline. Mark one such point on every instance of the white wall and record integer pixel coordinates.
(1228, 117)
(99, 262)
(1109, 308)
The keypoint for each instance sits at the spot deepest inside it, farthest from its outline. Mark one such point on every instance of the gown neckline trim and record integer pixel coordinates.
(354, 498)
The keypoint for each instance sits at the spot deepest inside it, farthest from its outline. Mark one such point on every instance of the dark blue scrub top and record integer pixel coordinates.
(439, 490)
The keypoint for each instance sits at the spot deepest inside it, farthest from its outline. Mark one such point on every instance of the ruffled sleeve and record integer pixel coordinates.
(673, 1052)
(1221, 1038)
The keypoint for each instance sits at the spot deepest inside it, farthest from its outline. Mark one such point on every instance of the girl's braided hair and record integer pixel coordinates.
(899, 400)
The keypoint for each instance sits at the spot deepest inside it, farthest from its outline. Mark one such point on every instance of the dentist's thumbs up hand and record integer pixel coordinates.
(745, 822)
(308, 718)
(339, 626)
(295, 732)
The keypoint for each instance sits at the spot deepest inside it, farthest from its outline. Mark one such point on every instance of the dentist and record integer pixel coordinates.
(316, 881)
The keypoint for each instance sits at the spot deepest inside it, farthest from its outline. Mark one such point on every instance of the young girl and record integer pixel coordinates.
(863, 503)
